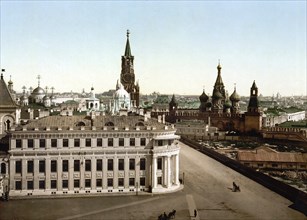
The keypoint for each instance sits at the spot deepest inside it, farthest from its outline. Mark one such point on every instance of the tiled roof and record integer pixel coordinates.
(263, 155)
(6, 100)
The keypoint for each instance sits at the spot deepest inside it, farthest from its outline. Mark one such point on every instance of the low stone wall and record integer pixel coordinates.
(298, 197)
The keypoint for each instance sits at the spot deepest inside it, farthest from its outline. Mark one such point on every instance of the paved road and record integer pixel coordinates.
(207, 189)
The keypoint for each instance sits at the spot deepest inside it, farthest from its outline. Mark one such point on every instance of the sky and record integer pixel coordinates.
(74, 45)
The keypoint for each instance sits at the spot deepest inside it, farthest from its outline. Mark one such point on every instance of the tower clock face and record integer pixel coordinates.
(127, 77)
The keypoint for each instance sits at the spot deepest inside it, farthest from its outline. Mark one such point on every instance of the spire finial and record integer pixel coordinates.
(235, 85)
(219, 65)
(128, 32)
(38, 79)
(203, 88)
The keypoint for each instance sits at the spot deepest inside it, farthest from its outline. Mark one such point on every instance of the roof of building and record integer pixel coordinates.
(6, 99)
(128, 50)
(75, 121)
(266, 154)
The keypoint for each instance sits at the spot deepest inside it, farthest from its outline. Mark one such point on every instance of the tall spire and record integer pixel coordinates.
(128, 50)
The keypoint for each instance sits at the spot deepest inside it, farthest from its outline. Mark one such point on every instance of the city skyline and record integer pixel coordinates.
(176, 45)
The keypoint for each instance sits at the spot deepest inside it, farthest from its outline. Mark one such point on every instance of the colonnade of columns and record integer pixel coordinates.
(169, 171)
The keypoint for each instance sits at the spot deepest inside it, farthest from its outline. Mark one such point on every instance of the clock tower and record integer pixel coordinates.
(127, 77)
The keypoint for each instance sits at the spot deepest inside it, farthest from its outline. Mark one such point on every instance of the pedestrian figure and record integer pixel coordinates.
(164, 216)
(195, 213)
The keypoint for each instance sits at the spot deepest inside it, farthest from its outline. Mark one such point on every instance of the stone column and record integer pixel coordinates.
(115, 173)
(164, 168)
(154, 172)
(126, 168)
(82, 172)
(47, 173)
(36, 174)
(71, 174)
(59, 174)
(93, 173)
(104, 173)
(176, 169)
(12, 174)
(168, 183)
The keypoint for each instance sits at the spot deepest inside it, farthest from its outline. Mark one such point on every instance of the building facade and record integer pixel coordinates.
(60, 155)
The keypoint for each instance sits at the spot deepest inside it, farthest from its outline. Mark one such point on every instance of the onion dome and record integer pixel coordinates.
(203, 97)
(38, 91)
(23, 97)
(235, 96)
(227, 104)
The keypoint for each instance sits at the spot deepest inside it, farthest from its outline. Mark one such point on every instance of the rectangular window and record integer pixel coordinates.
(42, 166)
(41, 184)
(132, 141)
(143, 141)
(260, 164)
(121, 142)
(142, 164)
(54, 142)
(120, 181)
(110, 182)
(42, 143)
(76, 165)
(18, 143)
(77, 142)
(30, 143)
(87, 183)
(160, 142)
(274, 165)
(65, 142)
(30, 184)
(131, 164)
(53, 166)
(65, 165)
(99, 165)
(121, 164)
(142, 181)
(18, 185)
(76, 183)
(170, 142)
(159, 160)
(110, 142)
(53, 184)
(88, 165)
(131, 182)
(64, 184)
(99, 142)
(98, 182)
(110, 164)
(30, 166)
(18, 167)
(88, 142)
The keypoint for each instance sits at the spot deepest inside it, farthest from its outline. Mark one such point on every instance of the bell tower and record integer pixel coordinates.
(127, 77)
(253, 116)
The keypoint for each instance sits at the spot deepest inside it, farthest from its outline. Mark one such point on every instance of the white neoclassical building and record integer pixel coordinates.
(59, 155)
